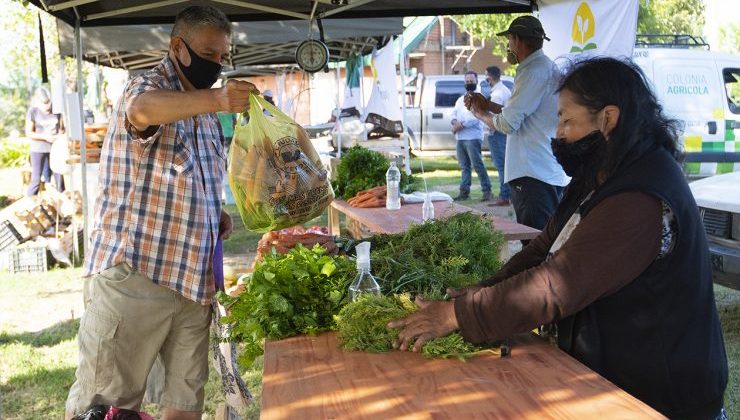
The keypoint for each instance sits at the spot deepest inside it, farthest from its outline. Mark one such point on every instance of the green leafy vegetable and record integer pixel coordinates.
(427, 259)
(296, 293)
(361, 326)
(360, 169)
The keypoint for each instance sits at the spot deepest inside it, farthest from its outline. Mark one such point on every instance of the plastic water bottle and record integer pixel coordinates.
(393, 182)
(427, 209)
(364, 282)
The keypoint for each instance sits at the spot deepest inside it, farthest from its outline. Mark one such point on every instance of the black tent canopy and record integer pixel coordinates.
(137, 12)
(262, 43)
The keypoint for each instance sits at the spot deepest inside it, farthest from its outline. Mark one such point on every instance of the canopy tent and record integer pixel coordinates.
(127, 15)
(138, 12)
(265, 43)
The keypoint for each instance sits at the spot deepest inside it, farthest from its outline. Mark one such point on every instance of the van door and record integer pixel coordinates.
(437, 114)
(730, 73)
(690, 90)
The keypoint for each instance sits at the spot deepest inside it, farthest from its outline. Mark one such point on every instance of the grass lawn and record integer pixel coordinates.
(40, 317)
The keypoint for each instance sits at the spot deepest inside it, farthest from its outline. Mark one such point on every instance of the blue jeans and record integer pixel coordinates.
(40, 167)
(497, 144)
(469, 154)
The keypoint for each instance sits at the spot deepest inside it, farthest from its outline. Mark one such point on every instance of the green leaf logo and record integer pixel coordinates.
(584, 28)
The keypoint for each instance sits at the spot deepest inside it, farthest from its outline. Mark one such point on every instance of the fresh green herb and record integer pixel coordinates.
(296, 293)
(427, 259)
(361, 326)
(361, 169)
(452, 345)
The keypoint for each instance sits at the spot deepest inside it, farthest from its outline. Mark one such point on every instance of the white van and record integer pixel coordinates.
(702, 89)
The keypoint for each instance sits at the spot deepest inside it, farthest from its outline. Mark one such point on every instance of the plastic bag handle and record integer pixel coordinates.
(257, 103)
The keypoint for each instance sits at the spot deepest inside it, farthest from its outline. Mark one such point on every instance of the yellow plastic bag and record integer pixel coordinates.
(275, 174)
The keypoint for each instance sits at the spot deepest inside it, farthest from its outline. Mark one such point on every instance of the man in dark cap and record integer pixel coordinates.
(529, 120)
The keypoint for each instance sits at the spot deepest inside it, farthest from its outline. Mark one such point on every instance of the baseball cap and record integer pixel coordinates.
(267, 93)
(526, 26)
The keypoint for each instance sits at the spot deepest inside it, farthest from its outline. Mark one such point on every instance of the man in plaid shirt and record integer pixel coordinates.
(149, 274)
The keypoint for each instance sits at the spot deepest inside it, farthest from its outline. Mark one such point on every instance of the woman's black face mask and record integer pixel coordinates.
(582, 156)
(201, 73)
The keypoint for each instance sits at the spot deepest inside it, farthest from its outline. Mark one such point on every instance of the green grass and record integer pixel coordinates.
(40, 317)
(443, 174)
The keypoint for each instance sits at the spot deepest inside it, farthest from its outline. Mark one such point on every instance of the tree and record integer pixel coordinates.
(671, 17)
(729, 38)
(654, 17)
(20, 62)
(486, 27)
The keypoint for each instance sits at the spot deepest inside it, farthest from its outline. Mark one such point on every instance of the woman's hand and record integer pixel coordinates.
(433, 319)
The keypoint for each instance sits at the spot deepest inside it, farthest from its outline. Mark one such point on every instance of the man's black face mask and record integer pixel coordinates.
(201, 73)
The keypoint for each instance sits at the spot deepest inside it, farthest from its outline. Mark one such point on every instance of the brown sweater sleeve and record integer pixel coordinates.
(531, 255)
(617, 241)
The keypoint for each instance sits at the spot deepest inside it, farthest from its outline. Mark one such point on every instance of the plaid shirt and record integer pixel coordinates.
(160, 195)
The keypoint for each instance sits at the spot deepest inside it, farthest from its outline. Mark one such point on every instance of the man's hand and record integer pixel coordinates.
(234, 96)
(476, 102)
(225, 226)
(456, 126)
(434, 319)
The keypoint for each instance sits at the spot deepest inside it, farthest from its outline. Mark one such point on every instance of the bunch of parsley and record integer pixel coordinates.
(296, 293)
(361, 169)
(426, 259)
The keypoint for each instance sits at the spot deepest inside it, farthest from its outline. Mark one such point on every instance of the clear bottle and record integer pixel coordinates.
(427, 209)
(393, 183)
(364, 282)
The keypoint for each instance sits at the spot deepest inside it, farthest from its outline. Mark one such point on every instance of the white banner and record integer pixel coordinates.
(384, 97)
(589, 27)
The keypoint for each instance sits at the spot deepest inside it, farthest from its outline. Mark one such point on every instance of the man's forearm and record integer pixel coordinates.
(161, 106)
(494, 107)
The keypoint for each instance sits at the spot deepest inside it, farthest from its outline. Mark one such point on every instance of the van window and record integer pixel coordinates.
(447, 93)
(732, 89)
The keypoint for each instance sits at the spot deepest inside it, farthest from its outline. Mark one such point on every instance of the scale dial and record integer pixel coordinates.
(312, 55)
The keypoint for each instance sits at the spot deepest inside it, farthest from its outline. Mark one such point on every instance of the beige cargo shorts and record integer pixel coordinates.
(128, 321)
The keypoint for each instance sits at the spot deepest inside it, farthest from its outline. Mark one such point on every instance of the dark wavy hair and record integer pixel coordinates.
(601, 81)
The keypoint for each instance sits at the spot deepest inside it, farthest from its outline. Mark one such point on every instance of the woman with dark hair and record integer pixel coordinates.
(620, 278)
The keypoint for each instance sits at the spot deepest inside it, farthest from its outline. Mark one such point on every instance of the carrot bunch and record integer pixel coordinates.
(373, 197)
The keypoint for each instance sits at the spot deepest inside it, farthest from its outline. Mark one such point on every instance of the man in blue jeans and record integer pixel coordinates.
(529, 120)
(468, 132)
(497, 140)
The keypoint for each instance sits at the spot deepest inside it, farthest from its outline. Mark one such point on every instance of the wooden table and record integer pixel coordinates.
(310, 378)
(381, 220)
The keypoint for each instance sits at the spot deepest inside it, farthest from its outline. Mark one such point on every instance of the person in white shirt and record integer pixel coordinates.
(496, 139)
(468, 132)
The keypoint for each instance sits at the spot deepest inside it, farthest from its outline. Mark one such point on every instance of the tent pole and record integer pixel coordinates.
(338, 122)
(83, 146)
(406, 137)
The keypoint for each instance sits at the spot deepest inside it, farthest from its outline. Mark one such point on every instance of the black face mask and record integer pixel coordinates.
(470, 87)
(582, 156)
(511, 57)
(201, 73)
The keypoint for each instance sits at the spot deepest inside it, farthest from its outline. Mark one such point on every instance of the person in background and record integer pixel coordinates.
(268, 96)
(497, 140)
(149, 282)
(468, 132)
(529, 119)
(621, 273)
(42, 127)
